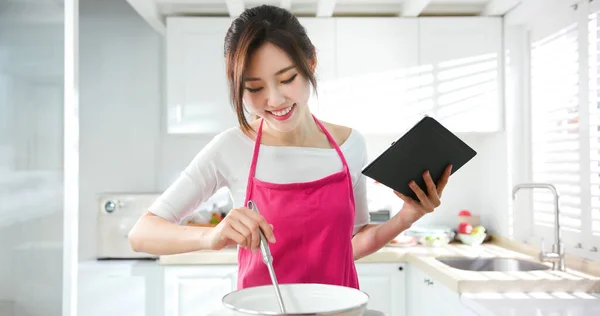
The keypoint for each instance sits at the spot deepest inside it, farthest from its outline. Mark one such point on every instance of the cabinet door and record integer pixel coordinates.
(384, 283)
(427, 297)
(423, 295)
(197, 290)
(321, 32)
(372, 46)
(415, 291)
(197, 90)
(111, 289)
(462, 70)
(376, 60)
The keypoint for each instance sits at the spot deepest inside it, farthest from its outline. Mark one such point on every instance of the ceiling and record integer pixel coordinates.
(340, 7)
(155, 11)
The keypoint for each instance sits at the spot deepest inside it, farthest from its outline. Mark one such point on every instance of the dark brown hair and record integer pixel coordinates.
(248, 32)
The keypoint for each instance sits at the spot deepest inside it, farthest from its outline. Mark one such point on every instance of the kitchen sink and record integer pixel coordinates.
(491, 264)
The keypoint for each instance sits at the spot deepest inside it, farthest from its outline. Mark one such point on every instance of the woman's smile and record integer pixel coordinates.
(283, 114)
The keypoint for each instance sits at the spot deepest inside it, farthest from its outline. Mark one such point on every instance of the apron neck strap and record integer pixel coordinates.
(256, 148)
(332, 142)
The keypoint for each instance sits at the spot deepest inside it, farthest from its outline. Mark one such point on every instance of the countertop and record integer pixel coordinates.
(527, 304)
(226, 312)
(460, 281)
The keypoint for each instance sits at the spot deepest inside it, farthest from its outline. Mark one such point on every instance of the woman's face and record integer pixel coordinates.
(275, 90)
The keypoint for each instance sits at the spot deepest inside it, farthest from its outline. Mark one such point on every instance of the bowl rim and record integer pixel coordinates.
(330, 312)
(469, 239)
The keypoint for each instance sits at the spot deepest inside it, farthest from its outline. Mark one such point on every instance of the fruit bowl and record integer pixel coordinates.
(435, 240)
(471, 239)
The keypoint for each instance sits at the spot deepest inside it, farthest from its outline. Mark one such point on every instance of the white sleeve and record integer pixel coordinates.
(362, 217)
(196, 184)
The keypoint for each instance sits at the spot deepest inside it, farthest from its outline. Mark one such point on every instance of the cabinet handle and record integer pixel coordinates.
(400, 268)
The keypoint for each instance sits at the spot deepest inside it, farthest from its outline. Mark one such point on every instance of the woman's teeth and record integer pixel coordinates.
(284, 111)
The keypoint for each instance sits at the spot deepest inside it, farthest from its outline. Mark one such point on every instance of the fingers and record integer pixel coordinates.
(431, 189)
(420, 194)
(243, 227)
(252, 232)
(230, 233)
(429, 183)
(262, 223)
(245, 231)
(444, 180)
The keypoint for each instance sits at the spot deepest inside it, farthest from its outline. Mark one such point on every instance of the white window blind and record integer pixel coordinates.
(594, 120)
(556, 155)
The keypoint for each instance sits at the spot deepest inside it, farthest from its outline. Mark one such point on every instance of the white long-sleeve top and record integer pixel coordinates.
(225, 162)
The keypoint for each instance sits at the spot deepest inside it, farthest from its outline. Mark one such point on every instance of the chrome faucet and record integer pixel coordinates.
(557, 256)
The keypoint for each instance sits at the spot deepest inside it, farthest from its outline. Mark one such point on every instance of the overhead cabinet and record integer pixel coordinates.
(378, 75)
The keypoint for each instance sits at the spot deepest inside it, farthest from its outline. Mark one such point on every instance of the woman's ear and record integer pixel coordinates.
(313, 64)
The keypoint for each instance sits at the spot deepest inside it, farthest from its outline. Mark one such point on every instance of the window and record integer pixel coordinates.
(565, 117)
(594, 121)
(555, 127)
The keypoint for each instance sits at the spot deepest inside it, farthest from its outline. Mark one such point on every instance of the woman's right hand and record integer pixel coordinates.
(240, 226)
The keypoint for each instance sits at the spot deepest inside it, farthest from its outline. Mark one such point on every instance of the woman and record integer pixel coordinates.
(304, 175)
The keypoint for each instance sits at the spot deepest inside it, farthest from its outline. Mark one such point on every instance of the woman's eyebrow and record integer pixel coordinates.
(279, 72)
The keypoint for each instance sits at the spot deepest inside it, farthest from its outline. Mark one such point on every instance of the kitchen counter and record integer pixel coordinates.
(227, 312)
(460, 281)
(229, 256)
(539, 304)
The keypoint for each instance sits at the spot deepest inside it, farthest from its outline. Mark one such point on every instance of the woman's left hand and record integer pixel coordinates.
(413, 209)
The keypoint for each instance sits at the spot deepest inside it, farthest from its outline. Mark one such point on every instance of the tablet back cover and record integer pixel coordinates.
(426, 146)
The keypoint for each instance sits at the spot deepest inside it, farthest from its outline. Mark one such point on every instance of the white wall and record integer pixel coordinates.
(123, 146)
(120, 100)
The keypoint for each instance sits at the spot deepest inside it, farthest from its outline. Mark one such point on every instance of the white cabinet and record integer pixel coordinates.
(378, 75)
(149, 289)
(197, 290)
(197, 90)
(427, 297)
(461, 62)
(385, 284)
(376, 82)
(321, 32)
(375, 46)
(120, 289)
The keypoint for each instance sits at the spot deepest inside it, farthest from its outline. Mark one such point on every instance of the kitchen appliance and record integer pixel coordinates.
(380, 216)
(300, 299)
(117, 213)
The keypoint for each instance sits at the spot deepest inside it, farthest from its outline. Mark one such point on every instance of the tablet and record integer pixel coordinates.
(426, 146)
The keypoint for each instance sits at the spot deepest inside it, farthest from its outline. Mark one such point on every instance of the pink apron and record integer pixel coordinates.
(313, 224)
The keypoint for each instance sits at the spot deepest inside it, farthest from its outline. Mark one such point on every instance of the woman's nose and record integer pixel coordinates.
(276, 98)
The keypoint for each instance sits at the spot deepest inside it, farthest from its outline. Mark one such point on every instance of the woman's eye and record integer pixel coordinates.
(291, 79)
(253, 90)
